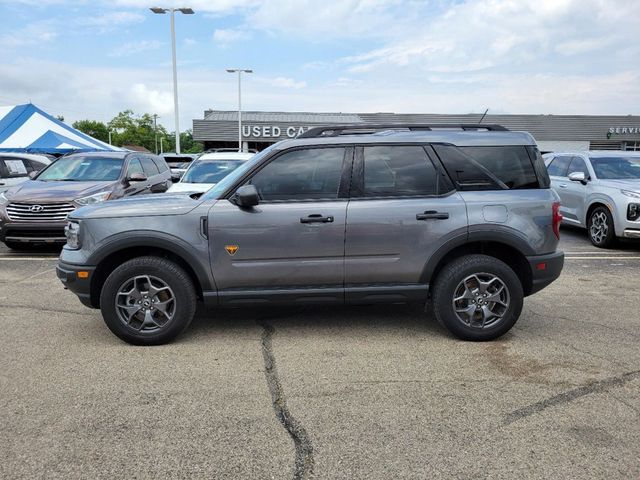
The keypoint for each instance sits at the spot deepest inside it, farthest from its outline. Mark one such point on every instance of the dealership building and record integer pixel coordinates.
(219, 129)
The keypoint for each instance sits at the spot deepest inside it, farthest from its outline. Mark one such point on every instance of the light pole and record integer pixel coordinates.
(239, 71)
(172, 11)
(155, 130)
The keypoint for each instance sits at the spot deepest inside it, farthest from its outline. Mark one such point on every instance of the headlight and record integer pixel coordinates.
(96, 198)
(631, 194)
(72, 232)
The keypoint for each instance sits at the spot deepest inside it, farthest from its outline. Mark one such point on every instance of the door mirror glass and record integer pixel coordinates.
(137, 177)
(176, 176)
(246, 196)
(578, 177)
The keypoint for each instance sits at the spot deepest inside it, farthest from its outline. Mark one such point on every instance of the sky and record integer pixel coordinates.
(92, 59)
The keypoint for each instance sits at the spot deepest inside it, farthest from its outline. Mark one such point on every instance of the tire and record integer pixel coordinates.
(461, 279)
(600, 228)
(148, 301)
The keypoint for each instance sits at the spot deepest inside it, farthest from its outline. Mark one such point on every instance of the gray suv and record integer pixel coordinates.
(461, 217)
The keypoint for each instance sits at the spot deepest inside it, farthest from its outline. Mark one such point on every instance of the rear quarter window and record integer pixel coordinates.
(492, 167)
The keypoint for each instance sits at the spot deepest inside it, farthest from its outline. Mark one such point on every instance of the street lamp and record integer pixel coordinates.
(172, 11)
(239, 71)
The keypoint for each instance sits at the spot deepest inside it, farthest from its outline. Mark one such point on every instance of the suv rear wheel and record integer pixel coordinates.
(477, 297)
(148, 301)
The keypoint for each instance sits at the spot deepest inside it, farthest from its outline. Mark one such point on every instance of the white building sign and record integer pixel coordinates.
(271, 131)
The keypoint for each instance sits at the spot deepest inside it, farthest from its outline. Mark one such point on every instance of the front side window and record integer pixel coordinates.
(134, 167)
(559, 166)
(399, 171)
(301, 175)
(209, 171)
(577, 165)
(616, 168)
(83, 168)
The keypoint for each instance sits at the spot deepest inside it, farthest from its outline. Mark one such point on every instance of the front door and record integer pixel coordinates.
(574, 194)
(291, 245)
(402, 208)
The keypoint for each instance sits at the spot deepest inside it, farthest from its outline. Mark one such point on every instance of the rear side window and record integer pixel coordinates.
(559, 166)
(301, 175)
(491, 167)
(511, 164)
(392, 171)
(149, 167)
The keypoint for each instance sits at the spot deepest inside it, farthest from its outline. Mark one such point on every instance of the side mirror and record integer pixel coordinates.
(137, 177)
(578, 177)
(32, 174)
(246, 196)
(176, 177)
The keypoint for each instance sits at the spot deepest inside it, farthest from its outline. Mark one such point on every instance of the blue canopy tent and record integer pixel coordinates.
(26, 128)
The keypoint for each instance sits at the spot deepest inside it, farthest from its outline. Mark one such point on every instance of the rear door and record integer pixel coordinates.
(291, 245)
(402, 208)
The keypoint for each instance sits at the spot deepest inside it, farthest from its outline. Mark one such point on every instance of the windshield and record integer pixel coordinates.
(81, 168)
(616, 168)
(230, 179)
(210, 171)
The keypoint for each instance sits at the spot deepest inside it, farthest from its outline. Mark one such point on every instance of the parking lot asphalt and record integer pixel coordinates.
(352, 392)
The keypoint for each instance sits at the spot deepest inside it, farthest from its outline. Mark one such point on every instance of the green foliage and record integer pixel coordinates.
(128, 128)
(95, 129)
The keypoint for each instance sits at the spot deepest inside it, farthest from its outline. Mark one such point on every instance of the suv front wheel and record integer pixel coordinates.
(477, 297)
(148, 301)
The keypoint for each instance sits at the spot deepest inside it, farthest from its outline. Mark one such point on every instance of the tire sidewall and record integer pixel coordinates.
(610, 237)
(450, 278)
(169, 273)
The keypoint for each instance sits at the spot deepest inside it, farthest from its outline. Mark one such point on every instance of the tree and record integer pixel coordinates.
(93, 128)
(187, 144)
(129, 129)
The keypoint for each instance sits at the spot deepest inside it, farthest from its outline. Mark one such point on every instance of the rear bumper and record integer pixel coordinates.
(68, 275)
(544, 270)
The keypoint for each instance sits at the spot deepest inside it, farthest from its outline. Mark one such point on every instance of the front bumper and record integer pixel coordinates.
(79, 283)
(631, 233)
(33, 232)
(544, 270)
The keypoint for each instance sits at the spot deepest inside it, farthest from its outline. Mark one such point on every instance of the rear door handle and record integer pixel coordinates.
(563, 185)
(432, 215)
(316, 218)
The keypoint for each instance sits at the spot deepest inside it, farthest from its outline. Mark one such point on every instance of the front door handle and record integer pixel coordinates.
(432, 215)
(563, 185)
(316, 218)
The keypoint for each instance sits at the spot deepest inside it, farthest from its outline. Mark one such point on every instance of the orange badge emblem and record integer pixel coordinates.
(231, 249)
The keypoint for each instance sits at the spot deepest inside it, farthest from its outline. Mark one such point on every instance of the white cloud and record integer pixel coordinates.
(224, 37)
(146, 99)
(110, 19)
(133, 48)
(34, 34)
(284, 82)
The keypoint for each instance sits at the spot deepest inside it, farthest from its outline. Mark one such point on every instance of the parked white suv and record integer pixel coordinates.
(16, 167)
(600, 191)
(209, 169)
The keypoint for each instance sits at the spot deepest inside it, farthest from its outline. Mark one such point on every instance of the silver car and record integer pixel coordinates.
(600, 191)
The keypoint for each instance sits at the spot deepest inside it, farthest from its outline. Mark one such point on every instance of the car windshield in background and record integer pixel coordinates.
(616, 168)
(80, 168)
(210, 171)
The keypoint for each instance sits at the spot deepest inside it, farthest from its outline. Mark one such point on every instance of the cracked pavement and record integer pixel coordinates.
(326, 392)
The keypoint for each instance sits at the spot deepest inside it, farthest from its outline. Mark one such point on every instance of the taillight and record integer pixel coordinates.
(557, 218)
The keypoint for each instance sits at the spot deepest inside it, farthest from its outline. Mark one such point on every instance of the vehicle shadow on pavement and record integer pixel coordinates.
(407, 319)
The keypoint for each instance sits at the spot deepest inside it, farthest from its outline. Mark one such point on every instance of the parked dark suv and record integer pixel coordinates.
(35, 212)
(462, 216)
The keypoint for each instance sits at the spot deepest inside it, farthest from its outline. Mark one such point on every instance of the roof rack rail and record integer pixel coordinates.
(363, 129)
